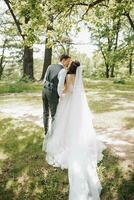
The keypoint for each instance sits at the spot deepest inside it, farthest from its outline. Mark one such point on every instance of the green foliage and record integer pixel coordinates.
(119, 81)
(12, 58)
(25, 79)
(112, 33)
(98, 66)
(54, 20)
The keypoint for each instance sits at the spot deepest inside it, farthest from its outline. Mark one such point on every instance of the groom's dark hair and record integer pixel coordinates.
(64, 56)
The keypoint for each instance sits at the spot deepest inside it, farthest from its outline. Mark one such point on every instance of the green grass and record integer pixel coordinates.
(129, 122)
(108, 96)
(106, 104)
(24, 174)
(103, 86)
(108, 85)
(117, 185)
(18, 87)
(129, 95)
(100, 101)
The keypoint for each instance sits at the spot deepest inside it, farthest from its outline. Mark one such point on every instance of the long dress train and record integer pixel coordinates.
(71, 142)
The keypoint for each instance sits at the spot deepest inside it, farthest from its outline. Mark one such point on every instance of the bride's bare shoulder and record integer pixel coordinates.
(71, 75)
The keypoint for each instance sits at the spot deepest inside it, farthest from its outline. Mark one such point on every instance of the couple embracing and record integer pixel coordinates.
(70, 140)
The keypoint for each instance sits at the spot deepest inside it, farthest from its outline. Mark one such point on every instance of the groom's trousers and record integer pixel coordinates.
(50, 101)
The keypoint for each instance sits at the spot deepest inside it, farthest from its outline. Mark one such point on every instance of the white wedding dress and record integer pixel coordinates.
(71, 141)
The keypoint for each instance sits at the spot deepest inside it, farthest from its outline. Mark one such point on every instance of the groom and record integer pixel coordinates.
(50, 95)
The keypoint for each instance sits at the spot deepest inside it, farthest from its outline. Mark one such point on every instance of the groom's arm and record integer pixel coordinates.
(46, 74)
(61, 77)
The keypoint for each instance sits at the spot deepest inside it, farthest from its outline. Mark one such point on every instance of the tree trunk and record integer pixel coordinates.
(28, 63)
(1, 72)
(47, 60)
(28, 59)
(28, 52)
(106, 63)
(107, 70)
(48, 50)
(130, 20)
(68, 49)
(116, 45)
(112, 71)
(2, 59)
(130, 65)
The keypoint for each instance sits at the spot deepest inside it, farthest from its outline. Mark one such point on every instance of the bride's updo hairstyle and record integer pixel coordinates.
(73, 67)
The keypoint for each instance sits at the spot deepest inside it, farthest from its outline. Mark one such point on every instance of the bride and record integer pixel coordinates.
(71, 141)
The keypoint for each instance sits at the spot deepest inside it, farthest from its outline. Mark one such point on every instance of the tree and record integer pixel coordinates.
(48, 48)
(2, 64)
(10, 44)
(60, 14)
(107, 24)
(36, 20)
(28, 50)
(105, 33)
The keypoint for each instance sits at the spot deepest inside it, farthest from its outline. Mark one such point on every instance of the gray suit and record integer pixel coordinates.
(50, 95)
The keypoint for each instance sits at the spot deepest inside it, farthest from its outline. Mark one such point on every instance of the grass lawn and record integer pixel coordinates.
(129, 122)
(108, 85)
(24, 174)
(108, 96)
(18, 87)
(99, 86)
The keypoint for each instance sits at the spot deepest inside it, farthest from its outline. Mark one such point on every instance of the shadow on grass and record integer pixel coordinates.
(116, 185)
(24, 174)
(126, 189)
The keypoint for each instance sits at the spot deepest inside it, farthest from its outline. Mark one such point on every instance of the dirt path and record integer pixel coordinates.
(109, 125)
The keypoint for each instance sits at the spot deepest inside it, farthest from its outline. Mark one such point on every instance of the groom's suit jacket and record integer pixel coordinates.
(50, 93)
(51, 76)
